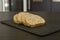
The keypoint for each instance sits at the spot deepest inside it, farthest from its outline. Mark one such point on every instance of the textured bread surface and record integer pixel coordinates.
(35, 20)
(29, 19)
(15, 18)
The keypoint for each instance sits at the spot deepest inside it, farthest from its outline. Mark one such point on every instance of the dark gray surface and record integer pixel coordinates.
(6, 15)
(52, 24)
(9, 33)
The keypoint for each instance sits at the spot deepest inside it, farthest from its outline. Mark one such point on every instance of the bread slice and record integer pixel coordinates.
(28, 19)
(34, 20)
(24, 15)
(19, 17)
(15, 19)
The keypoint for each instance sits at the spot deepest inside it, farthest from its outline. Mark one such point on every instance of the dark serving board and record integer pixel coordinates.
(52, 24)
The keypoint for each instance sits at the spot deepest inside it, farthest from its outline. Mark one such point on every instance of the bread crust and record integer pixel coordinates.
(15, 19)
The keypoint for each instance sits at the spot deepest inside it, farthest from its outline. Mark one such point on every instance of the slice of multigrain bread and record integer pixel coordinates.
(15, 19)
(19, 17)
(26, 14)
(28, 19)
(34, 20)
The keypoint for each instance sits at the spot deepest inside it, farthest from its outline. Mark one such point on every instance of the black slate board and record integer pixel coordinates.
(52, 24)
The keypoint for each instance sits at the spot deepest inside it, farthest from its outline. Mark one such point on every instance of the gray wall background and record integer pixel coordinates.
(36, 6)
(6, 15)
(1, 5)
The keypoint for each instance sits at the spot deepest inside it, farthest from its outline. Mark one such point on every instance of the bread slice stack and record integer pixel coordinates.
(28, 19)
(15, 18)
